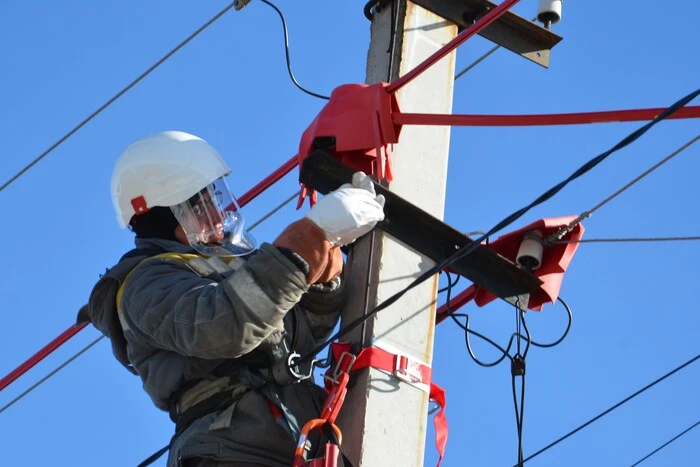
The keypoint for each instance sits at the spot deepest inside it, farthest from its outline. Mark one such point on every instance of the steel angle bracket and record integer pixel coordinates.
(511, 31)
(425, 233)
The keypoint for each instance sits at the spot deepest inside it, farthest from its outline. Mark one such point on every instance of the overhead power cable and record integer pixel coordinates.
(476, 62)
(619, 404)
(467, 249)
(117, 96)
(666, 443)
(286, 52)
(586, 214)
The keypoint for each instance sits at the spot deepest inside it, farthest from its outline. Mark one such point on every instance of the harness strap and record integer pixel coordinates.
(402, 366)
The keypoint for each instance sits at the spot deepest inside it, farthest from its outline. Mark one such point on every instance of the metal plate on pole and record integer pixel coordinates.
(511, 31)
(425, 233)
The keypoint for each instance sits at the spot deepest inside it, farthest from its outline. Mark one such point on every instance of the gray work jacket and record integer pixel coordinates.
(178, 326)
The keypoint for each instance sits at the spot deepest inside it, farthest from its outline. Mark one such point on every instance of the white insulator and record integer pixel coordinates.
(531, 250)
(549, 11)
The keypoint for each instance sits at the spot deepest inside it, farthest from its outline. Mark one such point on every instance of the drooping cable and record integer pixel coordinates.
(467, 249)
(610, 409)
(666, 443)
(117, 96)
(505, 353)
(517, 360)
(286, 52)
(558, 341)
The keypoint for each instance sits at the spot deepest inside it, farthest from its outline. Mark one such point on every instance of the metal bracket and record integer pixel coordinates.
(425, 233)
(511, 31)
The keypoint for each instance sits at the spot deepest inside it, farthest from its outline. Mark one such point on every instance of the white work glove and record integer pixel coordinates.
(349, 212)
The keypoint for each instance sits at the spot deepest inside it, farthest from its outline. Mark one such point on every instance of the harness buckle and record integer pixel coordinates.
(407, 369)
(339, 368)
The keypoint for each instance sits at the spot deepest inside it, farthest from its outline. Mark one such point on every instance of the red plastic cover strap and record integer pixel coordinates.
(396, 363)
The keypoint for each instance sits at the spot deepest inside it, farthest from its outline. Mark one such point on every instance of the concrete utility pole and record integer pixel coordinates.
(384, 420)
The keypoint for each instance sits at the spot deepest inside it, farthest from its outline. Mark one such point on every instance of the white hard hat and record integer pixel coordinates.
(183, 172)
(163, 169)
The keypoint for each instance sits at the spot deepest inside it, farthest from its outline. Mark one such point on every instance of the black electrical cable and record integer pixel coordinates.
(392, 39)
(519, 414)
(449, 286)
(286, 52)
(517, 369)
(117, 96)
(465, 327)
(566, 331)
(607, 411)
(467, 249)
(666, 444)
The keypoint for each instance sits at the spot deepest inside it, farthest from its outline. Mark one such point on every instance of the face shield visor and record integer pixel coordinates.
(213, 222)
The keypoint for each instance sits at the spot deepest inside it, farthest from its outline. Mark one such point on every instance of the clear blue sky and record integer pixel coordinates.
(634, 314)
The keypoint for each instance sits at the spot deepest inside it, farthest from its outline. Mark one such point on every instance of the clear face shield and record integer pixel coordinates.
(213, 222)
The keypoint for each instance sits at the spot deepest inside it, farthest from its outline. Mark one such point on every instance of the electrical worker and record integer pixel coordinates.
(211, 323)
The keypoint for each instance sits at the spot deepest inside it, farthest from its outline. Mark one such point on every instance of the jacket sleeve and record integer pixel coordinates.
(322, 306)
(170, 307)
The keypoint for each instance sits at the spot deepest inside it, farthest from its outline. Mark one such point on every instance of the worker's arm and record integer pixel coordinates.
(170, 307)
(322, 305)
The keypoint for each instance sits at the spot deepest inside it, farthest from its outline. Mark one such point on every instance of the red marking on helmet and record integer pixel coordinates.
(139, 204)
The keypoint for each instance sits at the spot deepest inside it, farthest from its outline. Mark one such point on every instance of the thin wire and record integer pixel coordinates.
(116, 96)
(286, 52)
(607, 411)
(666, 444)
(480, 59)
(630, 240)
(274, 211)
(519, 414)
(476, 62)
(392, 40)
(558, 234)
(645, 173)
(45, 378)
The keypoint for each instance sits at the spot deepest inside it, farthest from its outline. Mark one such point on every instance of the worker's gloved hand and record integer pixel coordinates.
(307, 240)
(334, 266)
(348, 212)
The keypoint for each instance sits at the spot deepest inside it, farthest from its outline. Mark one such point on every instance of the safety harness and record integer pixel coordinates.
(254, 372)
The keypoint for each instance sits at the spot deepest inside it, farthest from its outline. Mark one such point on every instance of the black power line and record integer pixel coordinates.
(117, 96)
(666, 444)
(605, 412)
